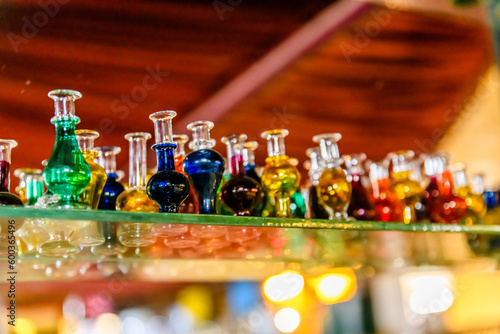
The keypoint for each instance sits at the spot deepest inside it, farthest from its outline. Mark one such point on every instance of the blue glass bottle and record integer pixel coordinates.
(167, 187)
(204, 167)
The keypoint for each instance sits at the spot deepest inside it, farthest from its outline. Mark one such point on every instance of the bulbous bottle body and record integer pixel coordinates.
(335, 191)
(91, 195)
(241, 194)
(112, 189)
(136, 200)
(360, 206)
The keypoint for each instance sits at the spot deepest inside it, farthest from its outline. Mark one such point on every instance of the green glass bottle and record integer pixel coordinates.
(67, 173)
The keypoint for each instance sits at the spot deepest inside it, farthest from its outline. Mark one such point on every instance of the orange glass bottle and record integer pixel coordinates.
(387, 205)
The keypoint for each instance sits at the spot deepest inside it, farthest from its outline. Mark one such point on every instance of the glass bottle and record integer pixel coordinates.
(67, 173)
(112, 189)
(408, 191)
(6, 198)
(30, 185)
(445, 207)
(167, 187)
(135, 198)
(297, 202)
(360, 206)
(476, 206)
(204, 167)
(190, 204)
(240, 193)
(316, 206)
(251, 167)
(334, 188)
(387, 205)
(280, 179)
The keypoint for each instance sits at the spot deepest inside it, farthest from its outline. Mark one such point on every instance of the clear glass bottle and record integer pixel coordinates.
(67, 173)
(167, 187)
(334, 188)
(135, 198)
(241, 193)
(445, 207)
(360, 206)
(387, 206)
(408, 191)
(190, 204)
(476, 206)
(204, 167)
(316, 207)
(112, 189)
(280, 179)
(6, 198)
(251, 170)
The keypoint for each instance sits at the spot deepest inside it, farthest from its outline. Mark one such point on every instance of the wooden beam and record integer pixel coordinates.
(329, 20)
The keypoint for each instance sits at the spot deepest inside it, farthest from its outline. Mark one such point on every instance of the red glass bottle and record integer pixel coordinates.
(387, 205)
(446, 207)
(360, 206)
(190, 204)
(6, 198)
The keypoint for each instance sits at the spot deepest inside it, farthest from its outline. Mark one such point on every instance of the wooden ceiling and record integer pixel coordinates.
(400, 90)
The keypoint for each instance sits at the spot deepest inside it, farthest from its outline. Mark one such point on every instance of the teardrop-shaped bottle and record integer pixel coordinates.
(67, 173)
(334, 188)
(190, 204)
(280, 178)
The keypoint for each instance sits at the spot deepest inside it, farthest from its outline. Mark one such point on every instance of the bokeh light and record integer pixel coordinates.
(287, 320)
(283, 286)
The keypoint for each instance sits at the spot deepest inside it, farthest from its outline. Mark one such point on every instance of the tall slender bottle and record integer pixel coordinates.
(251, 170)
(408, 190)
(190, 204)
(334, 188)
(167, 187)
(135, 198)
(280, 179)
(204, 167)
(476, 206)
(6, 198)
(112, 189)
(67, 173)
(387, 205)
(316, 206)
(360, 206)
(446, 207)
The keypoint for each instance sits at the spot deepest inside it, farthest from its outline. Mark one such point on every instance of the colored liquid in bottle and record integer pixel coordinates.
(257, 212)
(240, 194)
(92, 193)
(318, 211)
(204, 168)
(112, 189)
(190, 204)
(4, 175)
(335, 191)
(136, 200)
(360, 206)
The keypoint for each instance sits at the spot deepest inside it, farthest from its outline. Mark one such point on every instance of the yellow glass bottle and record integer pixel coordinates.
(333, 188)
(407, 190)
(135, 198)
(476, 205)
(280, 179)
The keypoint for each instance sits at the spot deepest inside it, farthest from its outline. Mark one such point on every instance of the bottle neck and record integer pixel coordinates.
(165, 156)
(65, 127)
(276, 146)
(236, 167)
(108, 162)
(137, 163)
(380, 186)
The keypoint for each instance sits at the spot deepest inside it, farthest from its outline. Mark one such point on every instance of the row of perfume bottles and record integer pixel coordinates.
(393, 190)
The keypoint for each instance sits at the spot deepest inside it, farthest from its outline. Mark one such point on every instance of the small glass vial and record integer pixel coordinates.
(67, 173)
(280, 178)
(387, 205)
(30, 181)
(204, 167)
(135, 198)
(408, 190)
(6, 198)
(190, 204)
(360, 206)
(334, 188)
(473, 197)
(112, 189)
(316, 207)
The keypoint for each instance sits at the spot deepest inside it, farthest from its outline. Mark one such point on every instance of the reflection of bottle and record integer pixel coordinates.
(112, 189)
(280, 179)
(407, 190)
(204, 167)
(136, 198)
(167, 187)
(334, 188)
(445, 207)
(251, 170)
(387, 205)
(360, 206)
(315, 205)
(67, 173)
(92, 193)
(30, 185)
(241, 193)
(190, 204)
(476, 207)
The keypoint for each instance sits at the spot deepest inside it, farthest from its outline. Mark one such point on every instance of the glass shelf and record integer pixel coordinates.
(191, 219)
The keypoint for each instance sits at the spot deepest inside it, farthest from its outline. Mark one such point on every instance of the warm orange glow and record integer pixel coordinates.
(336, 286)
